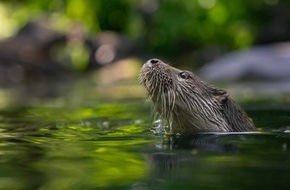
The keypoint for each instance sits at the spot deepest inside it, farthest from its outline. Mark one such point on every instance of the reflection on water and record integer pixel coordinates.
(82, 153)
(246, 161)
(107, 144)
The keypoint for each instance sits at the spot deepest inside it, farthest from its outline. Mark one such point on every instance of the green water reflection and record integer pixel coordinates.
(72, 147)
(107, 145)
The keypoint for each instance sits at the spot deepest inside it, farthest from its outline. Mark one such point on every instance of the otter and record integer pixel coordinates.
(189, 104)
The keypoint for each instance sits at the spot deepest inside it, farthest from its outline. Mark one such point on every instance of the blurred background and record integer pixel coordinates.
(108, 40)
(73, 115)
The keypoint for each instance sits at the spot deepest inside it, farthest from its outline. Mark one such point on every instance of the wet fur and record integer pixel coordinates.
(190, 105)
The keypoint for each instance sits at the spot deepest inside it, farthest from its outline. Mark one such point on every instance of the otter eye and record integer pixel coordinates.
(184, 75)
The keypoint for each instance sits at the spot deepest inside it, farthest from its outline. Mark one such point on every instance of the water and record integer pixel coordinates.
(82, 139)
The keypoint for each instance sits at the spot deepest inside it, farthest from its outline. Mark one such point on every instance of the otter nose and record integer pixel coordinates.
(154, 61)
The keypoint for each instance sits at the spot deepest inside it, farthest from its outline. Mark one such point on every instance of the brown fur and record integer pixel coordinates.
(190, 105)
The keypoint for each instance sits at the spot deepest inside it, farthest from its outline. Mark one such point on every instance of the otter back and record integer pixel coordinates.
(189, 104)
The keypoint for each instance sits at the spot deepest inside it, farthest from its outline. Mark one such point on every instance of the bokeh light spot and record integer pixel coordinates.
(105, 54)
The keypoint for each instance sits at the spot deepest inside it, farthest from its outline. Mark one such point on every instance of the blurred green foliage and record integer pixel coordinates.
(161, 25)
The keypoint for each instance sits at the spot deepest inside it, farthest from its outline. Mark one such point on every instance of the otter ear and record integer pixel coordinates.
(220, 95)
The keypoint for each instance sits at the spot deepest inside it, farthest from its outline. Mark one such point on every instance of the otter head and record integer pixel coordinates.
(187, 103)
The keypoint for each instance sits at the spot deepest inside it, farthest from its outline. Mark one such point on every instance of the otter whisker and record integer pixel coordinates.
(189, 104)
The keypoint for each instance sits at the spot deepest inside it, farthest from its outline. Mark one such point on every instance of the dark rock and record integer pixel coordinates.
(27, 54)
(268, 62)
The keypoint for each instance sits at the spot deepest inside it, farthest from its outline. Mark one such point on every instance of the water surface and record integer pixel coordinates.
(82, 140)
